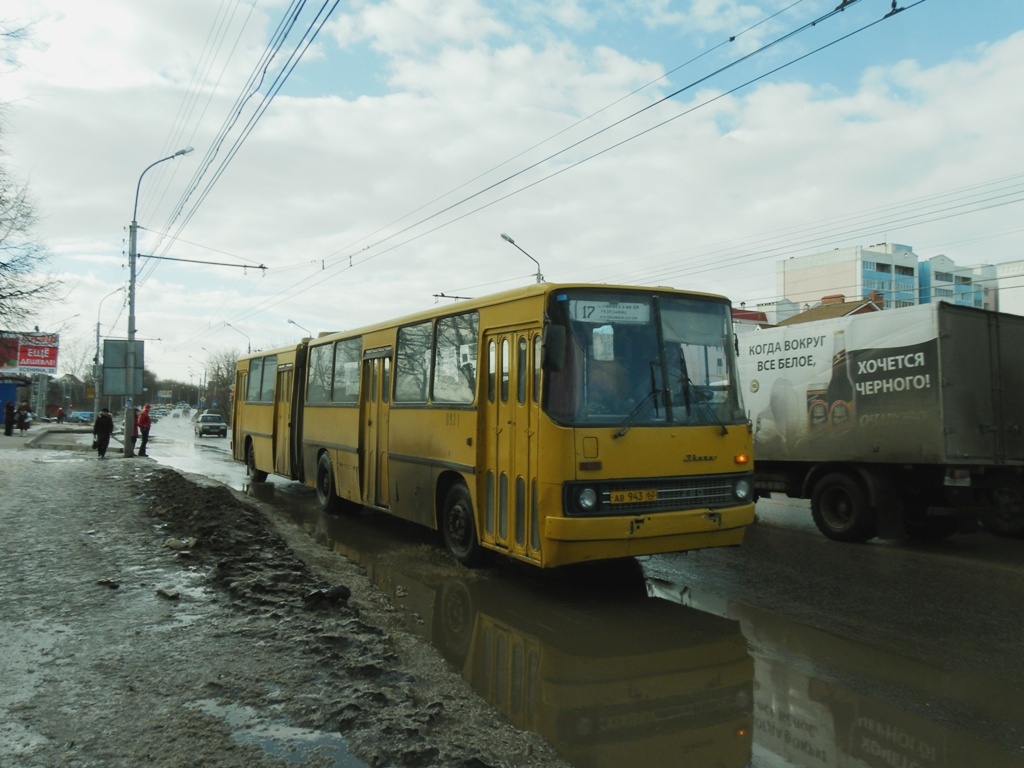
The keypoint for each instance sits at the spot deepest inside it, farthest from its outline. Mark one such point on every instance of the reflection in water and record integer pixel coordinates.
(618, 670)
(608, 675)
(824, 700)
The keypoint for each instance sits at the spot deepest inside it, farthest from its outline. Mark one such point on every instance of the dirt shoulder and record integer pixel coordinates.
(152, 620)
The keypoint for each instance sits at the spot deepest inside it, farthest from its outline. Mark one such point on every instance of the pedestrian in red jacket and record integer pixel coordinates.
(144, 423)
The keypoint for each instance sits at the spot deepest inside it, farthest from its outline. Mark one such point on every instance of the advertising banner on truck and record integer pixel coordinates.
(837, 387)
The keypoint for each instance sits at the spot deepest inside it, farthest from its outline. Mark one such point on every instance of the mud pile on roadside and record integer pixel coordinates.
(391, 700)
(188, 626)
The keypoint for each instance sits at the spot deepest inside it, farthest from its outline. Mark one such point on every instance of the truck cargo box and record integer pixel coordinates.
(928, 384)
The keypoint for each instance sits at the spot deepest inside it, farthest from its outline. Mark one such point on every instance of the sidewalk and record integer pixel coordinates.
(61, 436)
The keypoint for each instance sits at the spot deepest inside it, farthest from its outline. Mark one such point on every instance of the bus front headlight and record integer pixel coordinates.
(743, 489)
(586, 499)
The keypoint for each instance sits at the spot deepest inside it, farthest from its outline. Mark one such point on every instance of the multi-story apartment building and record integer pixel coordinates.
(888, 268)
(899, 276)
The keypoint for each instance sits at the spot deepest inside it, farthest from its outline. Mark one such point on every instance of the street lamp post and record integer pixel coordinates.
(308, 332)
(247, 339)
(507, 239)
(96, 370)
(133, 255)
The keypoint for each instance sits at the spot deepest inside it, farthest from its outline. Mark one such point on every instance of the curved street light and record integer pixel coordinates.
(507, 239)
(133, 255)
(247, 339)
(96, 369)
(308, 332)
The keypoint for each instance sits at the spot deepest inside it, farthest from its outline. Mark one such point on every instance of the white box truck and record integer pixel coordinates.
(903, 422)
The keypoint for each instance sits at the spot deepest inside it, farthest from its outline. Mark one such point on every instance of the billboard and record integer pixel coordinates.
(115, 367)
(28, 352)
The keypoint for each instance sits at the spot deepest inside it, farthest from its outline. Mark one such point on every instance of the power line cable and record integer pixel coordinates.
(342, 265)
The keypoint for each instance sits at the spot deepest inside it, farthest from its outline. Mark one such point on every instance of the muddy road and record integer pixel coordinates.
(792, 650)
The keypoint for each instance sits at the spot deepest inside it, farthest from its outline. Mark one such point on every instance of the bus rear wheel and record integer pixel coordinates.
(329, 501)
(458, 524)
(250, 466)
(840, 509)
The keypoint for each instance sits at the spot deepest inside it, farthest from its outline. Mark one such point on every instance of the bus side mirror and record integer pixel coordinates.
(553, 343)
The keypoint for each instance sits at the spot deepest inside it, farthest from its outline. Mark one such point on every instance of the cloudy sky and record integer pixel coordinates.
(369, 153)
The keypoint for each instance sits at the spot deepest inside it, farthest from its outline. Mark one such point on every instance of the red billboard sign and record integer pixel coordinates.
(29, 352)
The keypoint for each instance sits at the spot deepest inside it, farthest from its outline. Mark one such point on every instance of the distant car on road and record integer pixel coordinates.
(211, 424)
(81, 417)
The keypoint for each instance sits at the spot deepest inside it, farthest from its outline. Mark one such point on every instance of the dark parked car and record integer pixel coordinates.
(211, 424)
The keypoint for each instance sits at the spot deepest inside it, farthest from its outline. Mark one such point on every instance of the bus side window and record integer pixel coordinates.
(455, 359)
(252, 388)
(269, 379)
(347, 368)
(492, 367)
(385, 384)
(537, 362)
(521, 361)
(505, 353)
(412, 363)
(321, 365)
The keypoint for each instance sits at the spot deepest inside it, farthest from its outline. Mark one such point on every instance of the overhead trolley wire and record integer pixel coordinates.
(615, 145)
(280, 79)
(351, 260)
(576, 123)
(631, 116)
(951, 203)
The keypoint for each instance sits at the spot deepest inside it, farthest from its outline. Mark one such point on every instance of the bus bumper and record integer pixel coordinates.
(580, 539)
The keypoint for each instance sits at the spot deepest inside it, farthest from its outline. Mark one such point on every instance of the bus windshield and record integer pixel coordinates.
(643, 359)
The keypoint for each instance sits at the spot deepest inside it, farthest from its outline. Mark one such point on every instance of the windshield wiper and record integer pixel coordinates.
(652, 395)
(691, 393)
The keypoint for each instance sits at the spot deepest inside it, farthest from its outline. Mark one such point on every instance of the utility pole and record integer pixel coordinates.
(133, 255)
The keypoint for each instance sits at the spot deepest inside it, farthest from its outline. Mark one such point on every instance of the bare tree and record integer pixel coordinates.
(24, 291)
(77, 356)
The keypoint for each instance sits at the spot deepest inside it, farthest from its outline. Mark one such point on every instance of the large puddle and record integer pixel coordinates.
(617, 668)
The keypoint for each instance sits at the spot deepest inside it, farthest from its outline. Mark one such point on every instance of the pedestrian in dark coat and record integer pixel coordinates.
(102, 429)
(9, 418)
(23, 420)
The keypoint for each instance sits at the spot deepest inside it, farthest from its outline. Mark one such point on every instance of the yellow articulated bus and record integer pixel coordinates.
(555, 424)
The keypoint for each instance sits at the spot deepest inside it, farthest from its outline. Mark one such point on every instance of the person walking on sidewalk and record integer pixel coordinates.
(9, 418)
(24, 422)
(144, 425)
(102, 429)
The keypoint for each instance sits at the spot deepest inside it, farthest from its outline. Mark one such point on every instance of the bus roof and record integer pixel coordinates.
(513, 294)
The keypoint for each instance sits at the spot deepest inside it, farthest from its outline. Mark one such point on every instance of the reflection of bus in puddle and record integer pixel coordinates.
(620, 684)
(606, 674)
(823, 700)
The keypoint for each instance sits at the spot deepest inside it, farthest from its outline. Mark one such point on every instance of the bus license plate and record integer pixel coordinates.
(634, 497)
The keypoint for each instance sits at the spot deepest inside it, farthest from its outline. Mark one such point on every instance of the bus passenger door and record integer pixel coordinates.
(511, 433)
(282, 422)
(376, 400)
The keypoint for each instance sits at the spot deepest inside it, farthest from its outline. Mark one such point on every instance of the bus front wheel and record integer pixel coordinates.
(458, 525)
(250, 466)
(329, 501)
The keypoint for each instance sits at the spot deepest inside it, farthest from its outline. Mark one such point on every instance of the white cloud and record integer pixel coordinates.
(321, 190)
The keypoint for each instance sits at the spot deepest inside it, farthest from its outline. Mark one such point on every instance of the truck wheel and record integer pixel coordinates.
(250, 465)
(458, 524)
(840, 509)
(1005, 517)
